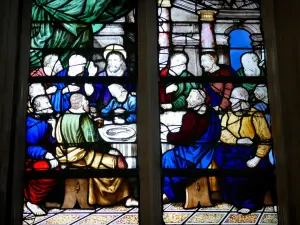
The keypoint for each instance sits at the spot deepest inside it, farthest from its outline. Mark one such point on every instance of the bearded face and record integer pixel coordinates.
(114, 63)
(43, 106)
(177, 65)
(194, 99)
(85, 105)
(250, 66)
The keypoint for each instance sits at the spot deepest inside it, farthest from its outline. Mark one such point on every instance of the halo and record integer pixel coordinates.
(115, 48)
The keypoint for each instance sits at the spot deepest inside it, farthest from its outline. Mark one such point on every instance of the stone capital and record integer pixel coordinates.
(222, 39)
(207, 15)
(164, 3)
(256, 37)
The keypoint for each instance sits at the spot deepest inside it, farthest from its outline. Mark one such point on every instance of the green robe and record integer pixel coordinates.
(76, 134)
(78, 129)
(250, 87)
(184, 89)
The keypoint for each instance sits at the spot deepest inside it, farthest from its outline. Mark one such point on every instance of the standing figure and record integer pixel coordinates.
(250, 68)
(81, 146)
(173, 96)
(245, 143)
(122, 108)
(218, 93)
(38, 137)
(194, 143)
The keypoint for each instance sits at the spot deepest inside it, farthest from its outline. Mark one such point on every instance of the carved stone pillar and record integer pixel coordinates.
(164, 31)
(223, 50)
(207, 29)
(257, 44)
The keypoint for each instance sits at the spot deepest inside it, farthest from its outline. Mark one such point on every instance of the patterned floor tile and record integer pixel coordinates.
(135, 210)
(128, 219)
(269, 218)
(269, 209)
(80, 211)
(236, 218)
(116, 209)
(178, 207)
(177, 217)
(98, 219)
(37, 219)
(64, 218)
(219, 207)
(206, 218)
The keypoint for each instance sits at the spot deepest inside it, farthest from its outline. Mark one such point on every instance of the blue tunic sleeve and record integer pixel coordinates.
(60, 101)
(131, 108)
(109, 108)
(36, 152)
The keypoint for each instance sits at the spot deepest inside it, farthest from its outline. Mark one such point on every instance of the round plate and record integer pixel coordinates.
(117, 133)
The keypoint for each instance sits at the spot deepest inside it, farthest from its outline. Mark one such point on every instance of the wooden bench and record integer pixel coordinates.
(76, 190)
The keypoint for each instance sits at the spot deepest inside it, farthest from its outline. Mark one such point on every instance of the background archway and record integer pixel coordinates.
(239, 42)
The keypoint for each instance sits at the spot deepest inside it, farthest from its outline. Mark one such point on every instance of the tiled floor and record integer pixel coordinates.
(173, 214)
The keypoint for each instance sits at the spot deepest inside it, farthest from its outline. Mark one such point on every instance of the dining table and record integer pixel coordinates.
(126, 144)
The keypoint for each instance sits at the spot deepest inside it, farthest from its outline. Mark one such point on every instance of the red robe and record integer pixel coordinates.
(164, 98)
(221, 89)
(193, 127)
(35, 190)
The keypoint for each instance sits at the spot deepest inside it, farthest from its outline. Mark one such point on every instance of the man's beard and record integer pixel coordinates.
(252, 71)
(114, 71)
(86, 108)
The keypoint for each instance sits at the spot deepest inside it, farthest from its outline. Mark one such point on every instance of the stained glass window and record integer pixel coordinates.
(81, 165)
(217, 158)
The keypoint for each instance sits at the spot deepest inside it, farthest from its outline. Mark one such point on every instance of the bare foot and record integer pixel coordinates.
(165, 199)
(35, 209)
(131, 202)
(244, 211)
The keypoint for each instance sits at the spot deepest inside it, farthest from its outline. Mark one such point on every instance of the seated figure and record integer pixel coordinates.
(81, 146)
(39, 157)
(122, 108)
(245, 143)
(194, 144)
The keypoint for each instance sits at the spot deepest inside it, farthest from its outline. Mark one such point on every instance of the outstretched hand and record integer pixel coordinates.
(92, 69)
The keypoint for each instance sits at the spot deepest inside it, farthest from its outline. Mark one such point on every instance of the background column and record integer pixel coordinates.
(164, 36)
(223, 50)
(207, 40)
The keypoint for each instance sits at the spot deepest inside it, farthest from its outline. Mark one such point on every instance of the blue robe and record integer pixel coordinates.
(129, 105)
(35, 132)
(102, 95)
(196, 156)
(60, 101)
(242, 192)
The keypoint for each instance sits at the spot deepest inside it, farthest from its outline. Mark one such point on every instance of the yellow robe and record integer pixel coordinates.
(102, 191)
(251, 125)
